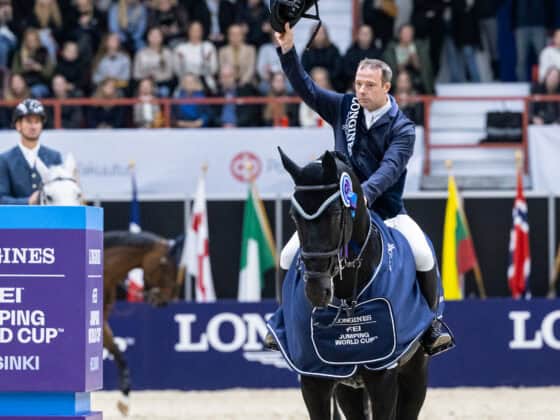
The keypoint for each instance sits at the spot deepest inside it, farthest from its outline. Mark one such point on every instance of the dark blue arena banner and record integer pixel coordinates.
(500, 342)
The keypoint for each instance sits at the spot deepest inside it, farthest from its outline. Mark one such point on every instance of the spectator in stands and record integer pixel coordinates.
(147, 114)
(232, 115)
(106, 115)
(197, 56)
(307, 116)
(8, 40)
(71, 116)
(128, 19)
(33, 62)
(156, 62)
(529, 19)
(365, 46)
(323, 53)
(380, 15)
(216, 17)
(190, 115)
(427, 20)
(547, 112)
(277, 114)
(112, 63)
(550, 56)
(404, 89)
(171, 18)
(486, 11)
(47, 19)
(239, 55)
(256, 20)
(268, 63)
(465, 32)
(75, 70)
(16, 90)
(411, 55)
(86, 28)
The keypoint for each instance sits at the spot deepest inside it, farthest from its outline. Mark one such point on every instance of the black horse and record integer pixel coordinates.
(341, 252)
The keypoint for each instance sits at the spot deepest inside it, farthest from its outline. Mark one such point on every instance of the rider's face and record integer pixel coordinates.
(371, 90)
(30, 127)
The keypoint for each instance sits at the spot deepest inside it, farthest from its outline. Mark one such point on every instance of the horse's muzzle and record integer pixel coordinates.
(319, 291)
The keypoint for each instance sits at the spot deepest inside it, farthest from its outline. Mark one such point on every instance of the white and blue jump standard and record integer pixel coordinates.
(51, 311)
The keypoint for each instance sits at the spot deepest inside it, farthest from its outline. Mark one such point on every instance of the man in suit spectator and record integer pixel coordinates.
(20, 166)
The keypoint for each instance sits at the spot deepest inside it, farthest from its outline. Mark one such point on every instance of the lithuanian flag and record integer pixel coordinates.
(458, 250)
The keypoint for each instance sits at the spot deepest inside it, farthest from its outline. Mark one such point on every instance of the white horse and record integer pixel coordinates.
(60, 185)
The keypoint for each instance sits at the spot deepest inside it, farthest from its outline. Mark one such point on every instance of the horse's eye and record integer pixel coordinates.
(49, 198)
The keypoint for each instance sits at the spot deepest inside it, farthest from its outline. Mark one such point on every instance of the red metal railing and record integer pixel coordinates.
(427, 101)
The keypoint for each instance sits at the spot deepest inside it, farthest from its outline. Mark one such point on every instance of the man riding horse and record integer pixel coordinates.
(378, 140)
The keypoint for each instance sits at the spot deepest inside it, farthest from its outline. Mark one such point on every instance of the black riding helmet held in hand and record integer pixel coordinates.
(29, 107)
(291, 11)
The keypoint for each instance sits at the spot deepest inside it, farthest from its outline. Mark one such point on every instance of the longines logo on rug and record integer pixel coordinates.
(27, 256)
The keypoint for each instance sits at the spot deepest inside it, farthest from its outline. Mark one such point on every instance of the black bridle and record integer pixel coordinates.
(42, 194)
(338, 254)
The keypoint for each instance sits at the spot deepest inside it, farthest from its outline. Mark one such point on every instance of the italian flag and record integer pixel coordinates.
(458, 250)
(257, 249)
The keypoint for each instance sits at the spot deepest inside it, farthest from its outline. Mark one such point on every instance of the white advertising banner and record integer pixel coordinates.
(544, 154)
(169, 161)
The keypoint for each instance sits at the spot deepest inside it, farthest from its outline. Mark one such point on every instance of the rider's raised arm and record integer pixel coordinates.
(393, 164)
(325, 102)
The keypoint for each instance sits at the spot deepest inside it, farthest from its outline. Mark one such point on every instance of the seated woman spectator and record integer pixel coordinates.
(112, 63)
(307, 116)
(106, 115)
(256, 18)
(155, 62)
(277, 114)
(239, 55)
(128, 19)
(550, 56)
(75, 70)
(147, 114)
(33, 62)
(402, 92)
(197, 56)
(171, 18)
(323, 53)
(71, 116)
(413, 56)
(365, 46)
(268, 63)
(190, 115)
(547, 112)
(47, 19)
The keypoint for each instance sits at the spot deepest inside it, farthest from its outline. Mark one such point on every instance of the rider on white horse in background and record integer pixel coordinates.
(23, 166)
(378, 140)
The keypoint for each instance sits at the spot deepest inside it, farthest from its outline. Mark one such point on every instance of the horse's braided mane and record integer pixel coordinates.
(113, 239)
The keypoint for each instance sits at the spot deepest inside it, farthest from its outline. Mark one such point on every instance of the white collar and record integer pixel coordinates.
(372, 117)
(30, 155)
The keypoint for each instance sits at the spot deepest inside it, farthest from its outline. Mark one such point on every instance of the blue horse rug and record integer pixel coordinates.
(391, 314)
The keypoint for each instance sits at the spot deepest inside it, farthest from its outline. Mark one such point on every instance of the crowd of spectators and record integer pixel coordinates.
(149, 49)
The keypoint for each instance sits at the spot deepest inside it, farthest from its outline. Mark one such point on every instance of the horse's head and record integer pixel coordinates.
(160, 273)
(60, 186)
(327, 197)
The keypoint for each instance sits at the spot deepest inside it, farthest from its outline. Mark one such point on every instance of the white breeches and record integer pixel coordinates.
(403, 223)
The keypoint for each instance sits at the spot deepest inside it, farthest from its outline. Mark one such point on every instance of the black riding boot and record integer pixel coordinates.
(436, 338)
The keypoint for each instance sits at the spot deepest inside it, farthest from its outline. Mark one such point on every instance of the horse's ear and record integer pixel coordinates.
(329, 167)
(289, 165)
(70, 164)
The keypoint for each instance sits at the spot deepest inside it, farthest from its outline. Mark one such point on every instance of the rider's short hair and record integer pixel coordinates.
(372, 63)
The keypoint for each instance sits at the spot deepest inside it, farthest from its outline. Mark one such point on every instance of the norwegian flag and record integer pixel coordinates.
(519, 254)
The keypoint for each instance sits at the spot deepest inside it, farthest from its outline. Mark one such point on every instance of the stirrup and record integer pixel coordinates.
(443, 348)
